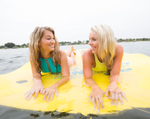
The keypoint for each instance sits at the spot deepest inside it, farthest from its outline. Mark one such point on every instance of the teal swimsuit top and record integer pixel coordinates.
(48, 66)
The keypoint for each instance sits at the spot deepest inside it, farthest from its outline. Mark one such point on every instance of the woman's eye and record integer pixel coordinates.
(94, 39)
(48, 38)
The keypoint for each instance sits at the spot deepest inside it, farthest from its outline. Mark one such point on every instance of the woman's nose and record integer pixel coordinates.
(90, 42)
(53, 41)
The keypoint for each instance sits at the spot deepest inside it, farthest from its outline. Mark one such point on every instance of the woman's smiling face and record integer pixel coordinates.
(47, 42)
(93, 42)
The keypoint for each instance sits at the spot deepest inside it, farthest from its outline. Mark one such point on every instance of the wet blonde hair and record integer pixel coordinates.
(35, 52)
(106, 45)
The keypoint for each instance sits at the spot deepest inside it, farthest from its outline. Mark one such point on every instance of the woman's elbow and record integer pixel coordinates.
(66, 78)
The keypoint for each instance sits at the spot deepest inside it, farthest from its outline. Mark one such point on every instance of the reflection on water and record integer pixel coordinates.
(11, 113)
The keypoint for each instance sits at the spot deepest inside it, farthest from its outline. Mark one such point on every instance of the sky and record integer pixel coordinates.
(72, 19)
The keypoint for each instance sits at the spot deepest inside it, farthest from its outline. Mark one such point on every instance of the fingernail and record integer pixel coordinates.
(94, 108)
(103, 108)
(122, 103)
(106, 94)
(116, 105)
(98, 111)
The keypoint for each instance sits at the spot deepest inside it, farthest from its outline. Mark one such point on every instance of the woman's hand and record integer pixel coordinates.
(96, 96)
(115, 93)
(50, 91)
(36, 88)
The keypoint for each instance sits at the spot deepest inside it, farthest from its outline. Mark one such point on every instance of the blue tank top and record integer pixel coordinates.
(48, 66)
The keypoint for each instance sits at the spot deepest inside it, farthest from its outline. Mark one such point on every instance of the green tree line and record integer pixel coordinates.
(133, 40)
(13, 45)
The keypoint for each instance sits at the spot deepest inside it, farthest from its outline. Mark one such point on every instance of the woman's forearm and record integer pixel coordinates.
(61, 82)
(91, 83)
(114, 78)
(37, 79)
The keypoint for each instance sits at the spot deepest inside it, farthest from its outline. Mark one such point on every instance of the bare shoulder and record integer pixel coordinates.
(62, 52)
(119, 49)
(62, 56)
(88, 55)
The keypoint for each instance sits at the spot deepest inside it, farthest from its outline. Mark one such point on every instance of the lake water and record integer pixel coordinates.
(12, 59)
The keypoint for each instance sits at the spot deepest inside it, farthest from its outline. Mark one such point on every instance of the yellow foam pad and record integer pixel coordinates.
(134, 80)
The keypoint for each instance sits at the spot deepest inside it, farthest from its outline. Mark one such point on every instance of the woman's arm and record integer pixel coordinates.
(64, 70)
(117, 64)
(50, 91)
(87, 59)
(115, 92)
(37, 85)
(97, 93)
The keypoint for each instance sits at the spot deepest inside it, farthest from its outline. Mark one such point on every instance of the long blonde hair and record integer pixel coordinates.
(107, 45)
(35, 52)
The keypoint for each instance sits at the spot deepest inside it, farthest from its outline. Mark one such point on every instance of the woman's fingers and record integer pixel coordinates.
(101, 102)
(120, 98)
(42, 91)
(36, 94)
(116, 98)
(26, 93)
(106, 92)
(45, 95)
(90, 97)
(98, 104)
(52, 94)
(56, 93)
(112, 97)
(30, 95)
(93, 101)
(117, 95)
(48, 96)
(123, 95)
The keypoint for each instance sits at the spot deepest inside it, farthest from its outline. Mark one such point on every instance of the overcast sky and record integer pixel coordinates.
(72, 19)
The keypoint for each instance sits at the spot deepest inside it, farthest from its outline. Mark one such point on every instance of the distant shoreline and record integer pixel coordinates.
(81, 44)
(131, 41)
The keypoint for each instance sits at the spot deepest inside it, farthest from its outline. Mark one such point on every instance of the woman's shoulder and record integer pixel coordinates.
(88, 55)
(62, 53)
(119, 49)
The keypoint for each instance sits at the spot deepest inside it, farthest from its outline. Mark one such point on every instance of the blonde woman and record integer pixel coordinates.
(104, 55)
(45, 56)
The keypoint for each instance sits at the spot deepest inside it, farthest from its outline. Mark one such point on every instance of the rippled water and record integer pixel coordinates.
(12, 59)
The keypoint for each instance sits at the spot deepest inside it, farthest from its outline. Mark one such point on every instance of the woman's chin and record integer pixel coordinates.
(51, 49)
(94, 52)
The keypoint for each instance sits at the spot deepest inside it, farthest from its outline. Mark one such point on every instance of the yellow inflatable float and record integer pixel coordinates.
(73, 96)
